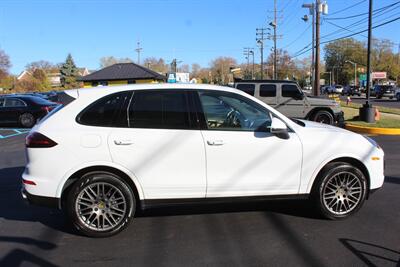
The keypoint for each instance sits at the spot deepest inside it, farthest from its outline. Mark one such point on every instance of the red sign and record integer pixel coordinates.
(379, 75)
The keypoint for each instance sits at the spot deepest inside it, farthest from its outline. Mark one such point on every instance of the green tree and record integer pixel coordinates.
(69, 73)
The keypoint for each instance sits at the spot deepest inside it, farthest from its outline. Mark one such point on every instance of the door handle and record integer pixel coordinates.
(123, 142)
(215, 143)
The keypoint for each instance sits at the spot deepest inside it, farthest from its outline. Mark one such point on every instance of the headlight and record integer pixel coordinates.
(372, 141)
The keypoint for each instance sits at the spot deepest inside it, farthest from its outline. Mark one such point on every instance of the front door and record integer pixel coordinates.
(244, 159)
(289, 102)
(162, 145)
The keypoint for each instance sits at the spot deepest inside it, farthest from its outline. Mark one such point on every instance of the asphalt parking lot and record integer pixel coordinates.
(262, 234)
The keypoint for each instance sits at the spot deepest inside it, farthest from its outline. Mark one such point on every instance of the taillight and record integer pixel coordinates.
(38, 140)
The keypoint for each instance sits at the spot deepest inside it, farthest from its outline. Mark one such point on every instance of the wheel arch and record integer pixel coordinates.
(315, 110)
(133, 185)
(350, 160)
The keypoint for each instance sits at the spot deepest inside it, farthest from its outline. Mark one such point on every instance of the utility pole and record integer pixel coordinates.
(274, 37)
(367, 112)
(252, 71)
(260, 33)
(247, 51)
(311, 8)
(317, 25)
(138, 50)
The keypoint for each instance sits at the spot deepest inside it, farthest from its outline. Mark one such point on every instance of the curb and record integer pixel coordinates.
(372, 130)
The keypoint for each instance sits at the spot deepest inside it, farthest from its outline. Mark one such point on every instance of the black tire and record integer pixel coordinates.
(27, 120)
(323, 116)
(102, 208)
(322, 193)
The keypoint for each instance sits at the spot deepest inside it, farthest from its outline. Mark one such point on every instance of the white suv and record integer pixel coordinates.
(114, 150)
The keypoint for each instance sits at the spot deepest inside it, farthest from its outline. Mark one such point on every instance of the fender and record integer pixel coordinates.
(307, 186)
(100, 163)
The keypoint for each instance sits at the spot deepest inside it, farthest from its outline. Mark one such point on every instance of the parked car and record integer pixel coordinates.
(115, 150)
(380, 91)
(23, 110)
(351, 90)
(286, 97)
(334, 89)
(398, 95)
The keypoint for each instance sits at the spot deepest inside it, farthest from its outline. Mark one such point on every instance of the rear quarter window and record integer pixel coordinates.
(106, 111)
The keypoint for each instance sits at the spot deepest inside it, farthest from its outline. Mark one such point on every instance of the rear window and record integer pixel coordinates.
(247, 88)
(40, 101)
(105, 111)
(268, 90)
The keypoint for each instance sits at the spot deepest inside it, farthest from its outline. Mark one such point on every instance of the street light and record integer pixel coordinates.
(355, 71)
(311, 9)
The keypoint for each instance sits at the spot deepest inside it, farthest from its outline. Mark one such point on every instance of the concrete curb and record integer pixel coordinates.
(372, 130)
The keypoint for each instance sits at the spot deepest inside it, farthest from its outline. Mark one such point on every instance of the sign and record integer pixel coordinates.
(182, 77)
(379, 75)
(171, 78)
(363, 77)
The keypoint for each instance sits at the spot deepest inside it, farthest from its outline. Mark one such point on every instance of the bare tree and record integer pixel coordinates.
(41, 65)
(5, 64)
(220, 69)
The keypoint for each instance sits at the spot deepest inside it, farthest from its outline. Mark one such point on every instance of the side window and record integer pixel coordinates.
(268, 90)
(290, 90)
(226, 111)
(159, 109)
(247, 88)
(1, 102)
(105, 111)
(13, 102)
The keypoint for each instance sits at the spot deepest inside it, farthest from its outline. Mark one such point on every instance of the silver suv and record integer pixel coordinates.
(287, 97)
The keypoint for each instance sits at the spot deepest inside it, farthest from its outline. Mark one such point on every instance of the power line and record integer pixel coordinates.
(344, 37)
(365, 13)
(346, 8)
(298, 37)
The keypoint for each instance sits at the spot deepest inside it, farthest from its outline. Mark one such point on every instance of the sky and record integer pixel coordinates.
(193, 31)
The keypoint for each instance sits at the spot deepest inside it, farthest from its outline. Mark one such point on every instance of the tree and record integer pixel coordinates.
(108, 61)
(41, 64)
(157, 65)
(69, 73)
(284, 64)
(220, 69)
(195, 69)
(5, 64)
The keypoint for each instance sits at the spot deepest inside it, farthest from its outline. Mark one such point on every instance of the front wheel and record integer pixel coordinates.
(340, 191)
(100, 204)
(323, 116)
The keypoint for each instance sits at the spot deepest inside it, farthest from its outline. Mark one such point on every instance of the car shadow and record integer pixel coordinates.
(14, 208)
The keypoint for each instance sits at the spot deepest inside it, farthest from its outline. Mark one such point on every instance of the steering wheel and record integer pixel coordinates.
(233, 118)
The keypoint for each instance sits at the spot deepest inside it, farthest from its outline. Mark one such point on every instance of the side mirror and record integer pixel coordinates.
(299, 96)
(279, 128)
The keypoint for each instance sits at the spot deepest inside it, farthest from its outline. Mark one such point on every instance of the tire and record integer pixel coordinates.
(100, 204)
(27, 120)
(333, 199)
(323, 116)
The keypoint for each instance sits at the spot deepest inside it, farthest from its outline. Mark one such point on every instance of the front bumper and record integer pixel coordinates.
(50, 202)
(339, 119)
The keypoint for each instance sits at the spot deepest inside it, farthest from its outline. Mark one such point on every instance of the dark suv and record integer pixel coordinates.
(380, 91)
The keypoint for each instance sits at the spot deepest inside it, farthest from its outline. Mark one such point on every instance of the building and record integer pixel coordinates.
(122, 73)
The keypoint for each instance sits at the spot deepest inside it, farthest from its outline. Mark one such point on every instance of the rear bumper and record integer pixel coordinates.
(50, 202)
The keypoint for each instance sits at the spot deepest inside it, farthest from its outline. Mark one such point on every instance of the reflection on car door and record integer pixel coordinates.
(242, 160)
(162, 145)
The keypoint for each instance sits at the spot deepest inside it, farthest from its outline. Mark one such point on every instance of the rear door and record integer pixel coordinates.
(162, 145)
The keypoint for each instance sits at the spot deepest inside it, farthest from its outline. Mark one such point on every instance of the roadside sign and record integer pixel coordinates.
(171, 78)
(379, 75)
(363, 77)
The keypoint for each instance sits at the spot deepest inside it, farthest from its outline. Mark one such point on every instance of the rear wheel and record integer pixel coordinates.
(27, 120)
(100, 204)
(340, 191)
(323, 116)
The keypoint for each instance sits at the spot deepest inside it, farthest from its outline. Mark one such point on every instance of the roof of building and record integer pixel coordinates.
(123, 71)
